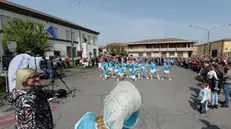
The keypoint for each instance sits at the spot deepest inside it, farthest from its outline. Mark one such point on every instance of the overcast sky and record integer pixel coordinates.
(132, 20)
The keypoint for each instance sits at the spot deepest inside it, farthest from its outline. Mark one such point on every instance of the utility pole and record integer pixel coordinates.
(208, 47)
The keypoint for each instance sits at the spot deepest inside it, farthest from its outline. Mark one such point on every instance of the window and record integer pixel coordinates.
(83, 38)
(130, 47)
(56, 31)
(5, 20)
(163, 45)
(73, 36)
(94, 40)
(172, 45)
(89, 38)
(156, 46)
(149, 46)
(181, 45)
(57, 53)
(140, 54)
(94, 51)
(69, 51)
(68, 37)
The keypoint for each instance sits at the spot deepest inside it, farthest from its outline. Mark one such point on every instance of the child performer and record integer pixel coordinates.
(154, 70)
(105, 73)
(120, 74)
(143, 70)
(167, 69)
(203, 97)
(133, 74)
(110, 66)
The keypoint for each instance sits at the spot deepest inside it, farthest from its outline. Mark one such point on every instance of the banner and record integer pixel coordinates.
(19, 61)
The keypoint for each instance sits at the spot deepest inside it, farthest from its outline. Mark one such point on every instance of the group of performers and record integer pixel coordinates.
(133, 70)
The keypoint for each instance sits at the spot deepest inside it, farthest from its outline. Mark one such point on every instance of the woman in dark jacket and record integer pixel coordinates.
(32, 108)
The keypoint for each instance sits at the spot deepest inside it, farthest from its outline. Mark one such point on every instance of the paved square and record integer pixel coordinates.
(166, 104)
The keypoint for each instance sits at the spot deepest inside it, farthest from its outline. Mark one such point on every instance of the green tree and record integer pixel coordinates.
(116, 49)
(29, 35)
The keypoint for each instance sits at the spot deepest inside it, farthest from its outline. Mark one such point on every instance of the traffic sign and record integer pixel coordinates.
(12, 46)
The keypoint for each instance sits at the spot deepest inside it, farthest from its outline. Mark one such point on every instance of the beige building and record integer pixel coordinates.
(167, 47)
(217, 48)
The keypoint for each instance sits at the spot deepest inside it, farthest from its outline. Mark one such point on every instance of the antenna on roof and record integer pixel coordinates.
(166, 34)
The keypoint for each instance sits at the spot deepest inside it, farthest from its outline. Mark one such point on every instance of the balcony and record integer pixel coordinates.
(171, 49)
(184, 49)
(163, 49)
(136, 50)
(148, 49)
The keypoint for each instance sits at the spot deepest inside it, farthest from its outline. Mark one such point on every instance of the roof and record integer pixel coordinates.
(163, 40)
(220, 40)
(121, 44)
(10, 6)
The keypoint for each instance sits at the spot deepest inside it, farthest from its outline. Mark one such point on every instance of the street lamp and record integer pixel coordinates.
(208, 31)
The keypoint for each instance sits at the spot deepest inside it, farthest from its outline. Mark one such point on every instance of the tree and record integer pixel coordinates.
(29, 35)
(116, 49)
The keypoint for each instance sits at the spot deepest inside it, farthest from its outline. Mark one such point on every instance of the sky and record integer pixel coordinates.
(134, 20)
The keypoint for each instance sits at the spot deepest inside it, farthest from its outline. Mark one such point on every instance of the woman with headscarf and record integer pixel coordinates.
(32, 108)
(121, 110)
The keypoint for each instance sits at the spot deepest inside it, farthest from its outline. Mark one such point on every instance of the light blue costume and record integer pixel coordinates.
(105, 72)
(121, 70)
(153, 66)
(123, 65)
(132, 72)
(105, 65)
(116, 66)
(110, 65)
(130, 65)
(167, 68)
(143, 69)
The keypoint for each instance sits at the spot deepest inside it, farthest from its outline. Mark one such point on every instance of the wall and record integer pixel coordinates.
(227, 47)
(201, 49)
(216, 46)
(61, 33)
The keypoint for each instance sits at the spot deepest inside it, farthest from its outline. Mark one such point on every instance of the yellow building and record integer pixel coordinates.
(167, 47)
(217, 48)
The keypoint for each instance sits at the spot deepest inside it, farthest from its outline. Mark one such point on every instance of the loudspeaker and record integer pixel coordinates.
(6, 61)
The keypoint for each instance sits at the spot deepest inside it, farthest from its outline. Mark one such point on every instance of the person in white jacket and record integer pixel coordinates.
(213, 75)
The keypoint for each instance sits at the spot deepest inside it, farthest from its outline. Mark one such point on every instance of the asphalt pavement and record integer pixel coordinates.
(166, 104)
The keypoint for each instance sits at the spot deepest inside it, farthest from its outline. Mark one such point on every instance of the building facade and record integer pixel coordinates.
(103, 49)
(217, 48)
(62, 28)
(167, 47)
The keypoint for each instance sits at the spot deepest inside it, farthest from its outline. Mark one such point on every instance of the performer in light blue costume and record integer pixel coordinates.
(167, 69)
(121, 110)
(154, 70)
(120, 73)
(143, 70)
(133, 73)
